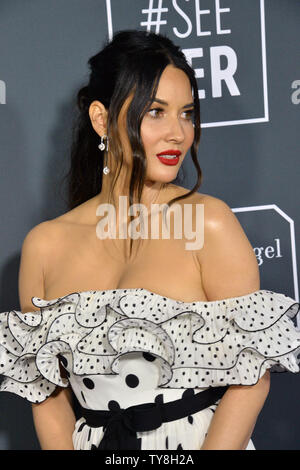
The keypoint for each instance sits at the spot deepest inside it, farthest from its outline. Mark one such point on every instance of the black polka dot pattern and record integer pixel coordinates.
(195, 344)
(131, 380)
(148, 357)
(88, 383)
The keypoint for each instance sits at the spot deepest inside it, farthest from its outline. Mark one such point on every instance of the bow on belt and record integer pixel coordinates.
(121, 425)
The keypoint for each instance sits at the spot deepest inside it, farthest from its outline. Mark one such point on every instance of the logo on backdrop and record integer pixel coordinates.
(264, 253)
(223, 40)
(274, 245)
(2, 92)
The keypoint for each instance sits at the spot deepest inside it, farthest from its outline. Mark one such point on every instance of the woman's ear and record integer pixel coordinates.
(98, 116)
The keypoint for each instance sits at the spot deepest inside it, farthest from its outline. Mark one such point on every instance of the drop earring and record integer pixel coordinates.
(106, 170)
(102, 146)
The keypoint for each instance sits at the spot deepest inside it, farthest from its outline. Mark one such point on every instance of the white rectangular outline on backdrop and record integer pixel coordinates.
(264, 70)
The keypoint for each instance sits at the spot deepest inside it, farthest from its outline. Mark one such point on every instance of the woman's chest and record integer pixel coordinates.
(80, 261)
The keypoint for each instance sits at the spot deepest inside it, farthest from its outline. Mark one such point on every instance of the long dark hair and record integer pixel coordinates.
(132, 62)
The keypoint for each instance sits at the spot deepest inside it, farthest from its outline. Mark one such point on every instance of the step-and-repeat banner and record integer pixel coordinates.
(245, 54)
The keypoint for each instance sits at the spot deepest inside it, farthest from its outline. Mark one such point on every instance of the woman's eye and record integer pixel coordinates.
(189, 115)
(155, 112)
(158, 112)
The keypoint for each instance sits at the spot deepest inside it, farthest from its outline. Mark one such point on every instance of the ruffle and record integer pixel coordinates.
(135, 334)
(198, 344)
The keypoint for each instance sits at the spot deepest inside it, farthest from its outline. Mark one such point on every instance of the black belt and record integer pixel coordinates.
(121, 425)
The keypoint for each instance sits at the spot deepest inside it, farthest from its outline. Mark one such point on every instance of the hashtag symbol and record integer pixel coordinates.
(151, 11)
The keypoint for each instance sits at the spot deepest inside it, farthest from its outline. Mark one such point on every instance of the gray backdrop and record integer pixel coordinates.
(246, 57)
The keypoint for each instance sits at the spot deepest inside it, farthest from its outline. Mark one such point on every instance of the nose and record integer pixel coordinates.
(174, 130)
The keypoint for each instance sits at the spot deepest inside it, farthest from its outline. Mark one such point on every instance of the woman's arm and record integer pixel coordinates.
(234, 419)
(54, 421)
(229, 269)
(54, 418)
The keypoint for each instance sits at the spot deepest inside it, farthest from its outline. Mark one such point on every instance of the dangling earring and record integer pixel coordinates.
(106, 170)
(103, 147)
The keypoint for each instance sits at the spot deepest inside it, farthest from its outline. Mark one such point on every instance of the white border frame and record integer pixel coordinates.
(265, 118)
(292, 234)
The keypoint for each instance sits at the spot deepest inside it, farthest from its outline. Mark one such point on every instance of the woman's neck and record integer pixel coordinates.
(152, 190)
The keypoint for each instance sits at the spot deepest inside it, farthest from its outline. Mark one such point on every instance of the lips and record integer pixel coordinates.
(169, 157)
(176, 153)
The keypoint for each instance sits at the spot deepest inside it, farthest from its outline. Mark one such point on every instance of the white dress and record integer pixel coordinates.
(126, 347)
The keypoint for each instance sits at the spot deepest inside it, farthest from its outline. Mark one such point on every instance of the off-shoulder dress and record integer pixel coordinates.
(148, 371)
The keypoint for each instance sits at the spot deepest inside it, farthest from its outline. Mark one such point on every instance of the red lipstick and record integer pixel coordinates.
(169, 157)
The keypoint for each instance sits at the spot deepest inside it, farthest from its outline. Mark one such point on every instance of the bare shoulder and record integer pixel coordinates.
(216, 211)
(45, 238)
(220, 222)
(54, 234)
(41, 234)
(36, 247)
(228, 263)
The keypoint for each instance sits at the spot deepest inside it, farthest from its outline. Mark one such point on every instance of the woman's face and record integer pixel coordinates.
(167, 130)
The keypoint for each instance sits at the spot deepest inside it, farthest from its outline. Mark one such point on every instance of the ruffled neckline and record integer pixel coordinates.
(160, 296)
(230, 341)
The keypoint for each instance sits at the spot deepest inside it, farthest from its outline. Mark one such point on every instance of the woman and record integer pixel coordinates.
(188, 361)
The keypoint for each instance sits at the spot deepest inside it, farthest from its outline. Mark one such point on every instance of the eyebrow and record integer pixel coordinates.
(157, 100)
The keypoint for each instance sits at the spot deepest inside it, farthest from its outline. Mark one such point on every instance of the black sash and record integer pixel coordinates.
(121, 425)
